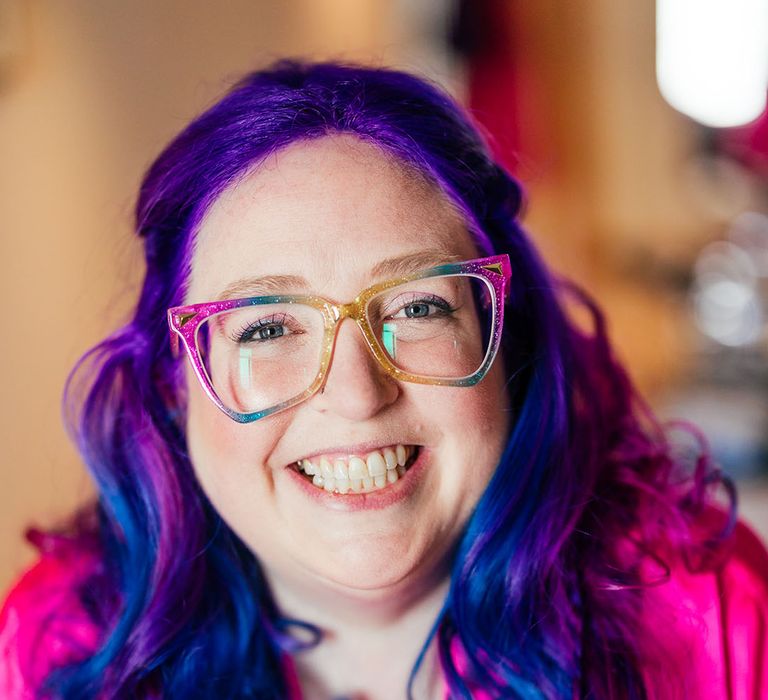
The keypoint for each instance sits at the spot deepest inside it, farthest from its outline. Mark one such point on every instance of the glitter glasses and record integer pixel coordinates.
(260, 355)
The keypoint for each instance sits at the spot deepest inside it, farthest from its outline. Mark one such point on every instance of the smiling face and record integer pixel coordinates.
(322, 216)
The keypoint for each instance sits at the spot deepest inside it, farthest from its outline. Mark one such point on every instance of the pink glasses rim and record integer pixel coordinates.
(184, 320)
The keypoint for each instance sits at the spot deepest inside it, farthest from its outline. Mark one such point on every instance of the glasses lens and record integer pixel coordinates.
(435, 327)
(259, 356)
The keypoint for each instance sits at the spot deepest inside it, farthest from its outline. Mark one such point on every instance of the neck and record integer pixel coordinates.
(371, 639)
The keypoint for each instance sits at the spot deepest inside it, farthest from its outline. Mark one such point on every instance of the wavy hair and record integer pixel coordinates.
(587, 509)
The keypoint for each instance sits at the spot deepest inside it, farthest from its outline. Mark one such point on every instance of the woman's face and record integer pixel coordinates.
(326, 212)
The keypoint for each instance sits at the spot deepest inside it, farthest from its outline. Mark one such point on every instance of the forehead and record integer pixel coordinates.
(326, 210)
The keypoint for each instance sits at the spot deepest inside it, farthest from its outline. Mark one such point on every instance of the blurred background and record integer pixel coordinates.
(638, 129)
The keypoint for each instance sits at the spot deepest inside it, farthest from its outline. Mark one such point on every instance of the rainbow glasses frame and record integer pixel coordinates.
(184, 322)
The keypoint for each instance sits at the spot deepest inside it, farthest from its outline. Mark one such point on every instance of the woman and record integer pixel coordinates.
(376, 457)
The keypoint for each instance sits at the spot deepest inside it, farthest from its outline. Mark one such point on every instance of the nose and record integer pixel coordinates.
(356, 386)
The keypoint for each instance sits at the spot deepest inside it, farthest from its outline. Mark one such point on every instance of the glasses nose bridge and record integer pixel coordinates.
(354, 310)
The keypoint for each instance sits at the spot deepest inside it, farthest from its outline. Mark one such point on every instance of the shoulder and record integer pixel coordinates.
(43, 623)
(743, 602)
(721, 617)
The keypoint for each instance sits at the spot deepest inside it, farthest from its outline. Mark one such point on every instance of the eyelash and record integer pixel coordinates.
(429, 299)
(246, 332)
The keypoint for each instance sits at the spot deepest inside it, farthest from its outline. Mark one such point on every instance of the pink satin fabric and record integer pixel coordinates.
(722, 619)
(719, 619)
(42, 625)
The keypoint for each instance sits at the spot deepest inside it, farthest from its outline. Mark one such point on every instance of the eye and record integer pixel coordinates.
(417, 310)
(263, 330)
(426, 306)
(268, 332)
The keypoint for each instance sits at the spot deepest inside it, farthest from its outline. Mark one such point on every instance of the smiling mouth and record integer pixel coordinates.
(353, 474)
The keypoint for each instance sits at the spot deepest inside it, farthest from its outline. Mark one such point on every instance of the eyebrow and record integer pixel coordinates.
(399, 266)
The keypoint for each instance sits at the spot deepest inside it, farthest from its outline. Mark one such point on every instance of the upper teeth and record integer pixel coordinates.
(358, 473)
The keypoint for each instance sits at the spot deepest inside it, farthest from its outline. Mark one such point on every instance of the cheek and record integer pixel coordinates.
(494, 415)
(213, 451)
(473, 425)
(229, 458)
(230, 463)
(211, 435)
(481, 414)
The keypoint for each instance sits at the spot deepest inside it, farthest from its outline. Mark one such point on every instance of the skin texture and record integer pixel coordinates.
(329, 210)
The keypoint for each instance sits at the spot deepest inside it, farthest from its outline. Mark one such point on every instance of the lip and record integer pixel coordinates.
(374, 500)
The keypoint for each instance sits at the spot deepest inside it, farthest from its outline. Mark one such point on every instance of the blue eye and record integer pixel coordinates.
(268, 332)
(417, 310)
(261, 331)
(427, 307)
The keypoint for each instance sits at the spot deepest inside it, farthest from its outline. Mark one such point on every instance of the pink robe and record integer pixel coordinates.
(721, 618)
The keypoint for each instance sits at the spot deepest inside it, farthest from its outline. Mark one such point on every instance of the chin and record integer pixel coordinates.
(379, 567)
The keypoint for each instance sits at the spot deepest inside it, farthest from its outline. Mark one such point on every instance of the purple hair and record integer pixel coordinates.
(587, 509)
